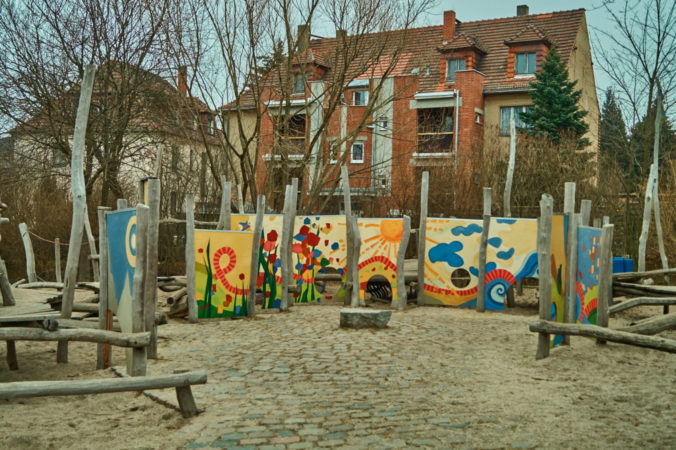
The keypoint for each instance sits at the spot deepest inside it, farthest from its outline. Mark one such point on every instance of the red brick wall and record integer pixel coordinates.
(470, 83)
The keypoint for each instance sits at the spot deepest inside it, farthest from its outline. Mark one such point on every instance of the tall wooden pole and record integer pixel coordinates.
(190, 256)
(353, 242)
(77, 185)
(481, 292)
(510, 167)
(544, 262)
(226, 205)
(422, 228)
(569, 212)
(287, 236)
(30, 255)
(150, 289)
(137, 365)
(258, 229)
(57, 260)
(401, 275)
(585, 211)
(605, 293)
(101, 362)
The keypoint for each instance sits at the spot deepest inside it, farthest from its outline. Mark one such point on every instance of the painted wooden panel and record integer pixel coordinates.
(121, 235)
(269, 277)
(380, 241)
(222, 272)
(558, 270)
(319, 246)
(587, 283)
(452, 256)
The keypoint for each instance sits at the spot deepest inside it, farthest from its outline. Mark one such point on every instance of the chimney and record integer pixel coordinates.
(183, 80)
(341, 36)
(303, 38)
(449, 26)
(522, 10)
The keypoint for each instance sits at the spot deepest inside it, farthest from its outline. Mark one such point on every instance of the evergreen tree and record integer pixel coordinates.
(556, 111)
(613, 142)
(643, 138)
(269, 62)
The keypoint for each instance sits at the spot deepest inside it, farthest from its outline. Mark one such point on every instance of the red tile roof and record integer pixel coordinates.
(420, 50)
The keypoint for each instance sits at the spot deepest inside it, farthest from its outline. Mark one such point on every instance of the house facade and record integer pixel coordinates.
(450, 92)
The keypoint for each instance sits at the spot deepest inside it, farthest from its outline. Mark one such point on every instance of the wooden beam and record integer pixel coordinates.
(641, 301)
(190, 256)
(131, 340)
(510, 166)
(594, 331)
(5, 287)
(400, 304)
(638, 275)
(287, 237)
(93, 255)
(545, 280)
(652, 325)
(240, 199)
(481, 292)
(585, 211)
(257, 230)
(57, 260)
(139, 356)
(569, 211)
(150, 287)
(424, 192)
(79, 198)
(605, 292)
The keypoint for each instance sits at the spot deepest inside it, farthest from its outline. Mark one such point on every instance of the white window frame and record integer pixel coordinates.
(457, 69)
(357, 93)
(303, 79)
(517, 109)
(526, 74)
(383, 123)
(353, 160)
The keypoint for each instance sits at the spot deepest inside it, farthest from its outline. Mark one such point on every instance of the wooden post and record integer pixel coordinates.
(30, 256)
(93, 256)
(57, 259)
(585, 211)
(150, 287)
(424, 190)
(510, 166)
(606, 220)
(605, 293)
(240, 199)
(139, 191)
(569, 211)
(190, 256)
(5, 286)
(572, 270)
(401, 276)
(544, 262)
(103, 285)
(597, 223)
(137, 366)
(158, 162)
(287, 236)
(121, 203)
(660, 238)
(481, 292)
(226, 207)
(77, 186)
(353, 242)
(645, 225)
(258, 229)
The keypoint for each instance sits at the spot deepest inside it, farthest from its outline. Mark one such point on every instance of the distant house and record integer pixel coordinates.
(162, 116)
(453, 90)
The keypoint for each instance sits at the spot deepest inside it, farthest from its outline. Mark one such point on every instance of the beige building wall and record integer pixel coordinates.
(581, 69)
(492, 105)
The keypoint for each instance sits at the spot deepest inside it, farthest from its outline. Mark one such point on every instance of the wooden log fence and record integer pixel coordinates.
(424, 192)
(481, 292)
(257, 230)
(544, 260)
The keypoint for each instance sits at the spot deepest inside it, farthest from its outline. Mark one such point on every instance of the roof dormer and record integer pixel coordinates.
(527, 50)
(463, 52)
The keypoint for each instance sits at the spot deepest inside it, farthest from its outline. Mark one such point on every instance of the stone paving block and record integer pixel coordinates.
(284, 439)
(331, 443)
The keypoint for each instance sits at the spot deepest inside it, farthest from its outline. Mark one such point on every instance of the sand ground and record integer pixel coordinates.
(437, 377)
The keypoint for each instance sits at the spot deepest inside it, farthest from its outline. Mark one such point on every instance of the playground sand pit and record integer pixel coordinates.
(436, 377)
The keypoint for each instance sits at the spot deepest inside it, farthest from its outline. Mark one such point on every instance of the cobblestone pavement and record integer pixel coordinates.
(436, 377)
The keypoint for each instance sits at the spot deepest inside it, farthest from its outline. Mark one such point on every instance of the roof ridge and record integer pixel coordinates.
(544, 15)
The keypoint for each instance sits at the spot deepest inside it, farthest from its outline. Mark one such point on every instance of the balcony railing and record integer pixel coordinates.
(435, 142)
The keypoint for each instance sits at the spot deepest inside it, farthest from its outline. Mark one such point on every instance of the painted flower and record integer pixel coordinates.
(228, 300)
(312, 239)
(272, 236)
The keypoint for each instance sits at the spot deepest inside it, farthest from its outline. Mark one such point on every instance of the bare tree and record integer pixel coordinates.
(286, 116)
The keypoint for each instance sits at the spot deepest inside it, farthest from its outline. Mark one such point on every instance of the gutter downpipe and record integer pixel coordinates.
(455, 136)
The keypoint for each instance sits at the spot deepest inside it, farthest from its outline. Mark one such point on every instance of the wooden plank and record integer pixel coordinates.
(605, 292)
(258, 229)
(401, 276)
(190, 256)
(79, 199)
(28, 250)
(19, 389)
(131, 340)
(226, 207)
(641, 301)
(594, 331)
(544, 261)
(103, 280)
(481, 292)
(150, 286)
(424, 192)
(137, 366)
(653, 325)
(638, 275)
(646, 289)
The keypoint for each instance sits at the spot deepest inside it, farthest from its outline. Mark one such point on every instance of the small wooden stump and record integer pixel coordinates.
(364, 318)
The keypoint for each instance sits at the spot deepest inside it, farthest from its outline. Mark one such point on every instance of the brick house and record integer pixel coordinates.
(452, 89)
